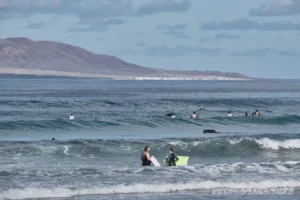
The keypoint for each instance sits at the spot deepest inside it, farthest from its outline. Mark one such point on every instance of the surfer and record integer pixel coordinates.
(172, 158)
(210, 131)
(194, 115)
(246, 114)
(171, 115)
(256, 113)
(145, 157)
(72, 117)
(202, 109)
(229, 114)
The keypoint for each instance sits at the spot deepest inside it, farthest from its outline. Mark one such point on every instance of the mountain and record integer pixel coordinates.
(25, 56)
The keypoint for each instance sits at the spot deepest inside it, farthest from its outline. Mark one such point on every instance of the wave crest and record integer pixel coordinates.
(34, 193)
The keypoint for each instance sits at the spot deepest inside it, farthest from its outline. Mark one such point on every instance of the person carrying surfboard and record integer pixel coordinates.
(145, 157)
(172, 158)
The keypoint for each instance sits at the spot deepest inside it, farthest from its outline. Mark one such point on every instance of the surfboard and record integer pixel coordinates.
(154, 161)
(183, 161)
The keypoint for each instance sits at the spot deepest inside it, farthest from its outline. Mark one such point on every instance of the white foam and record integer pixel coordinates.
(66, 149)
(268, 143)
(217, 169)
(144, 188)
(275, 144)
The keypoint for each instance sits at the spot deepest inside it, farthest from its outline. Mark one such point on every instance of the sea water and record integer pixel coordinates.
(97, 155)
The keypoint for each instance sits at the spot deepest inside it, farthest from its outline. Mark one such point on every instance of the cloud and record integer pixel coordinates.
(167, 51)
(177, 34)
(174, 30)
(288, 53)
(159, 6)
(204, 39)
(141, 44)
(181, 26)
(35, 25)
(277, 8)
(221, 36)
(252, 52)
(245, 25)
(102, 25)
(89, 11)
(3, 2)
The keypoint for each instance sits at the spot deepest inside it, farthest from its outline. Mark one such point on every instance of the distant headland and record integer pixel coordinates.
(24, 56)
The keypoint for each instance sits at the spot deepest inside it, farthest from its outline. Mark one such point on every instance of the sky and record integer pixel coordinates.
(259, 38)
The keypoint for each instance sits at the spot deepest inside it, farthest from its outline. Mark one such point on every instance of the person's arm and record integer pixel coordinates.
(148, 157)
(169, 158)
(176, 158)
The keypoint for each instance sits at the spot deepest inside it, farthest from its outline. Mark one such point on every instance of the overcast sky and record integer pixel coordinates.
(259, 38)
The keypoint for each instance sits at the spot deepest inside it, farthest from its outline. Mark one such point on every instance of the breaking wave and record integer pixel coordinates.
(223, 146)
(31, 193)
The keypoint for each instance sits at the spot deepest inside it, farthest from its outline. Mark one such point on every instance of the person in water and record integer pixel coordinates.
(210, 131)
(246, 114)
(194, 115)
(171, 115)
(229, 114)
(72, 117)
(172, 158)
(145, 157)
(256, 113)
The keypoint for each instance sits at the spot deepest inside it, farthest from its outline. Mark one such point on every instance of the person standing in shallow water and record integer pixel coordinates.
(172, 158)
(145, 156)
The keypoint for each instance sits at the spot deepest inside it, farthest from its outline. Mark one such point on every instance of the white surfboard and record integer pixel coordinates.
(154, 161)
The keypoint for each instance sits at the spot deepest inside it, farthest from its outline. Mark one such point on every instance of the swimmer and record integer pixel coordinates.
(194, 115)
(256, 113)
(210, 131)
(171, 115)
(229, 114)
(72, 117)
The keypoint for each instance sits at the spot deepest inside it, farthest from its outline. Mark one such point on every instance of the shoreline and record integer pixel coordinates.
(9, 71)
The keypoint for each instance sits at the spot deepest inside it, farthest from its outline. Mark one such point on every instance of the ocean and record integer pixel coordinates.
(97, 156)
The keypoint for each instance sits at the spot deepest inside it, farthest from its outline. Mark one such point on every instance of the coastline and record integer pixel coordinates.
(39, 72)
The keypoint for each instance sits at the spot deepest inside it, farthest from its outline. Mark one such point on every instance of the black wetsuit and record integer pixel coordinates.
(145, 161)
(172, 159)
(210, 131)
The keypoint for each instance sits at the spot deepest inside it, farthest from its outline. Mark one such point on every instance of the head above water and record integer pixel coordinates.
(171, 150)
(147, 149)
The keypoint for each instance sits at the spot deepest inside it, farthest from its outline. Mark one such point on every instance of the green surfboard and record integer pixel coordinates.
(183, 161)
